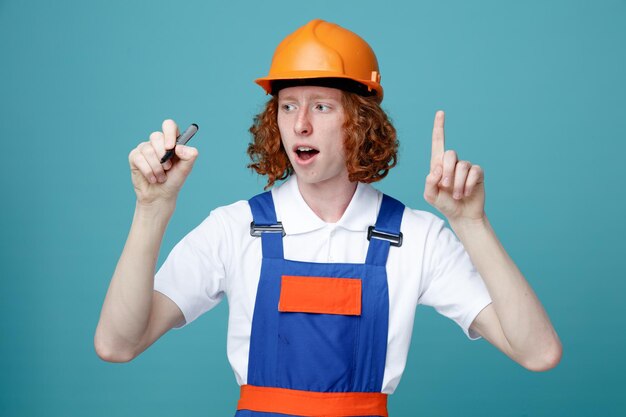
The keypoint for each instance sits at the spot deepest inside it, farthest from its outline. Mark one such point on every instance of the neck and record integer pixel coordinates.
(328, 201)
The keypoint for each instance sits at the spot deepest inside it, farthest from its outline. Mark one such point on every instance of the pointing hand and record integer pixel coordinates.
(455, 188)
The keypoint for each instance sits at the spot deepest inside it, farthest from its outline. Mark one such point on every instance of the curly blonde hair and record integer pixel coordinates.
(371, 144)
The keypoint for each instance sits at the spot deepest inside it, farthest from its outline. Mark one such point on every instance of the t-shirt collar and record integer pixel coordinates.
(297, 217)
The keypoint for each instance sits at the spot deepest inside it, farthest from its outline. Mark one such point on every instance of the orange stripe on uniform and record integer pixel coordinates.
(310, 403)
(320, 295)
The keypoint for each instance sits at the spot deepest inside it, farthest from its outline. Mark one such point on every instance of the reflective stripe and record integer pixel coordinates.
(320, 295)
(309, 403)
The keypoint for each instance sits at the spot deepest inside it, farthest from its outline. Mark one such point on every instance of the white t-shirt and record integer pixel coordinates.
(220, 257)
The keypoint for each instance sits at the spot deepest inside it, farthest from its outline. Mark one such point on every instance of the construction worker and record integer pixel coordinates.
(323, 273)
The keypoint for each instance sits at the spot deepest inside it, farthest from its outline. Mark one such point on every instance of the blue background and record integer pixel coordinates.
(534, 92)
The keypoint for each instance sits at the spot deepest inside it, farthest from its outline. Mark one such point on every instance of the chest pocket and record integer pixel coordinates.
(320, 295)
(318, 330)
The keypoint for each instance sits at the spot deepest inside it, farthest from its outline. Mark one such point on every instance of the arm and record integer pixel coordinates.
(133, 315)
(515, 322)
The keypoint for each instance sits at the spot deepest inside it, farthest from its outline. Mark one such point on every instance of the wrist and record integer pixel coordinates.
(154, 211)
(469, 225)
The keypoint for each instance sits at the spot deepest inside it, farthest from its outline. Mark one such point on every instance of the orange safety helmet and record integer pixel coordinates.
(322, 50)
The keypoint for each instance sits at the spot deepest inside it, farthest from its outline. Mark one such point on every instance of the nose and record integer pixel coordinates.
(303, 125)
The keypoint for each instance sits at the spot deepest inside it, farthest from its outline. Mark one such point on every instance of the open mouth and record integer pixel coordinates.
(305, 153)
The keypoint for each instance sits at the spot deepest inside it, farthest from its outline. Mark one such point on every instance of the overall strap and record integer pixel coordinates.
(264, 224)
(386, 232)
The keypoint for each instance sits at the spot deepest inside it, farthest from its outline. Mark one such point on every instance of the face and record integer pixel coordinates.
(310, 120)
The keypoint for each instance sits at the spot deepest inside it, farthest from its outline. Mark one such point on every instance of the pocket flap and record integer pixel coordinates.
(320, 295)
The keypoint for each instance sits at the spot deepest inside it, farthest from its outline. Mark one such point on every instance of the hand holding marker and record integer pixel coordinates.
(159, 179)
(181, 140)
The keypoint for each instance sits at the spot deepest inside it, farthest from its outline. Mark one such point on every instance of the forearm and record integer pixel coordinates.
(126, 309)
(523, 319)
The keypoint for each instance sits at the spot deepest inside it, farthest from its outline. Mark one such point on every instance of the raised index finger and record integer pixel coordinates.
(438, 146)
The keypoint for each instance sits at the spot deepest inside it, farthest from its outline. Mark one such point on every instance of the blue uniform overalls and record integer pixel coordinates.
(330, 361)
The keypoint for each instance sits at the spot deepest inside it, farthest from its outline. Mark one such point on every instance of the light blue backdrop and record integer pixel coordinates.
(535, 92)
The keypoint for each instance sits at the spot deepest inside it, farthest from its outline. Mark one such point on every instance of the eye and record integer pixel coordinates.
(287, 107)
(322, 107)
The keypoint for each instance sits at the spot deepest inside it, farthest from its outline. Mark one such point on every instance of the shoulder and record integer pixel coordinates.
(417, 225)
(234, 213)
(222, 222)
(412, 219)
(422, 220)
(421, 217)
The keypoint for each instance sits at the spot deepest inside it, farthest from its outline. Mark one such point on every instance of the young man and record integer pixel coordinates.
(323, 273)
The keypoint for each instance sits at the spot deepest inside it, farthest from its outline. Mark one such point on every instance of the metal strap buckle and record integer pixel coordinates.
(257, 230)
(394, 240)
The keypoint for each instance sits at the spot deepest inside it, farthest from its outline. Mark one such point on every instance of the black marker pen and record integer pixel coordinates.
(181, 140)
